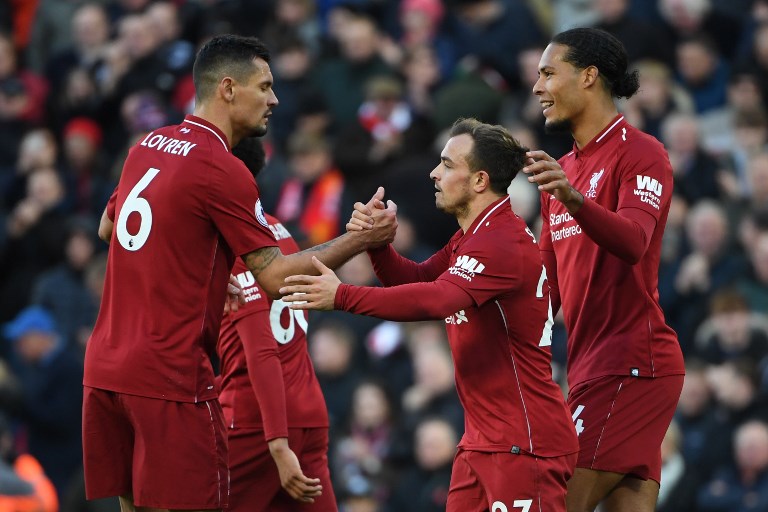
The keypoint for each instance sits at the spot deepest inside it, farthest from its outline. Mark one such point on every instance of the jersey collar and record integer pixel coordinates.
(206, 126)
(601, 138)
(489, 211)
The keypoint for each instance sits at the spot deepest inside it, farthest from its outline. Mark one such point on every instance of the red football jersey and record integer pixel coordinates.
(183, 209)
(282, 390)
(500, 345)
(612, 315)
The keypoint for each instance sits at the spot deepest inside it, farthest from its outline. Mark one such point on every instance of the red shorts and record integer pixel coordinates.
(506, 482)
(170, 455)
(256, 482)
(622, 420)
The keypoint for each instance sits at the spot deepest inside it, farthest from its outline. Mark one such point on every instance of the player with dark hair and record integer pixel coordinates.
(604, 208)
(277, 423)
(489, 284)
(185, 207)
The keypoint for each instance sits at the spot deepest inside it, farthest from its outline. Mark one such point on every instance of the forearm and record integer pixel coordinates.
(266, 375)
(405, 303)
(626, 234)
(270, 267)
(393, 269)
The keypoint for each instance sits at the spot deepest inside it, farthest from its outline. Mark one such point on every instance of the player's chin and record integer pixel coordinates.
(554, 125)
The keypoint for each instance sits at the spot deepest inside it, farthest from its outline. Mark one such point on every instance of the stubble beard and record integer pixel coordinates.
(558, 126)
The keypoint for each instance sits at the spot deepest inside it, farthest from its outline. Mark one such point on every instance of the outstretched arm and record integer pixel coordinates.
(405, 303)
(270, 267)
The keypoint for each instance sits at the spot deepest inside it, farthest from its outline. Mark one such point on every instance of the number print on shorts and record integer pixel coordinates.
(546, 335)
(579, 423)
(523, 505)
(134, 203)
(282, 334)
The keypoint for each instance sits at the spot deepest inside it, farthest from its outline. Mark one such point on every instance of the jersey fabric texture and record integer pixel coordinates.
(183, 209)
(500, 342)
(267, 376)
(610, 297)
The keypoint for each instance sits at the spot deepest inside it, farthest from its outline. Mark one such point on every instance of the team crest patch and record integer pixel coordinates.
(260, 214)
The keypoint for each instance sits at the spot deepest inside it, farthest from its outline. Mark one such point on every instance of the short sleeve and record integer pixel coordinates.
(235, 208)
(487, 266)
(646, 178)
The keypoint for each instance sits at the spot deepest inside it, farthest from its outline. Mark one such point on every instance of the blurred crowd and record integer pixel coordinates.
(367, 89)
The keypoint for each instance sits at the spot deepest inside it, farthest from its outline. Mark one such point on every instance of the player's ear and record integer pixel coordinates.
(226, 89)
(481, 181)
(589, 75)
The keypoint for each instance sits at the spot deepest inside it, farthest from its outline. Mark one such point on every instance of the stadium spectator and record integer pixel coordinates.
(742, 487)
(90, 36)
(658, 97)
(234, 98)
(24, 487)
(424, 488)
(732, 331)
(679, 479)
(310, 201)
(702, 72)
(472, 277)
(696, 173)
(358, 62)
(604, 207)
(63, 291)
(385, 133)
(707, 267)
(332, 348)
(22, 101)
(363, 451)
(50, 374)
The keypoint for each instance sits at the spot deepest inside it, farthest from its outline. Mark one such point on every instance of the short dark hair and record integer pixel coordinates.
(494, 151)
(595, 47)
(251, 151)
(225, 55)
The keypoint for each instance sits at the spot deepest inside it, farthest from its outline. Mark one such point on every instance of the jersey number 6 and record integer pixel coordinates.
(134, 203)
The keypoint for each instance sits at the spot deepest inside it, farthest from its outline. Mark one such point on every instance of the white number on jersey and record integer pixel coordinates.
(134, 203)
(579, 422)
(546, 335)
(282, 334)
(523, 505)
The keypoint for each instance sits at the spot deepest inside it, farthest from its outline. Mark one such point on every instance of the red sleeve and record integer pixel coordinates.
(405, 303)
(392, 269)
(645, 190)
(626, 233)
(265, 371)
(548, 257)
(111, 205)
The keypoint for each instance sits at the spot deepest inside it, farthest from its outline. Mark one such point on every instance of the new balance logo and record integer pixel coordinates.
(649, 184)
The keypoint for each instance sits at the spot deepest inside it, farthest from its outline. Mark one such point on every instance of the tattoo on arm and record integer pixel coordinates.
(320, 247)
(260, 259)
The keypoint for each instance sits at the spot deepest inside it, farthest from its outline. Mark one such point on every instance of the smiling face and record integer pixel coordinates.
(253, 102)
(558, 89)
(452, 176)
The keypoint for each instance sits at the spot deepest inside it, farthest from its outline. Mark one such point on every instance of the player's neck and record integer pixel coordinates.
(593, 121)
(217, 118)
